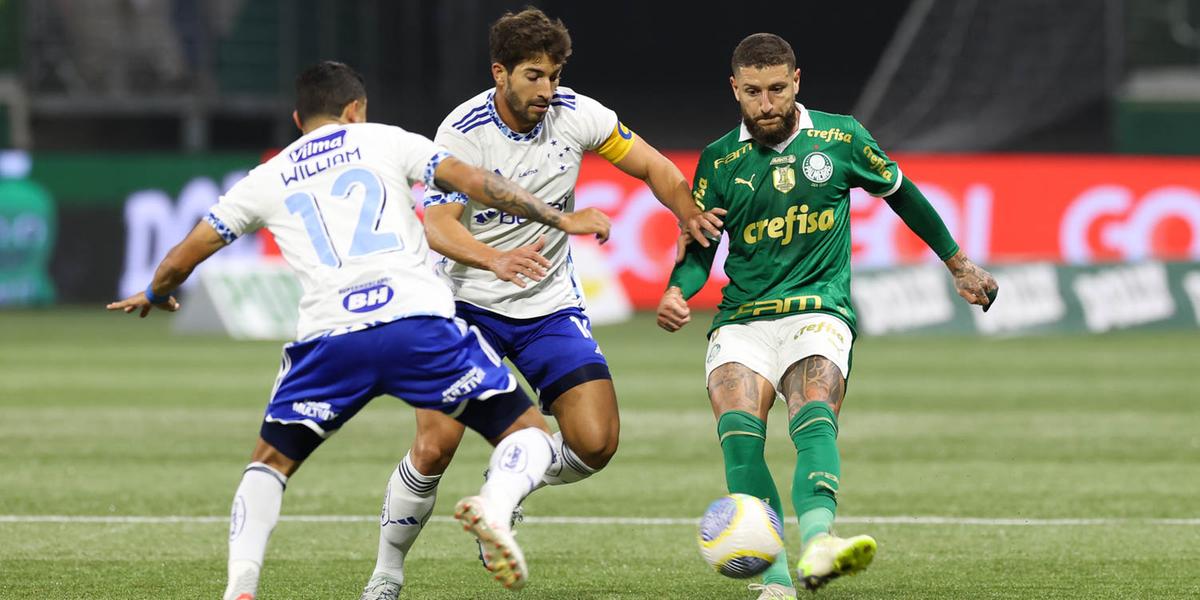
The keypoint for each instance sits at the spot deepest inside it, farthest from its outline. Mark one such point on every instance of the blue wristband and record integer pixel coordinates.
(153, 298)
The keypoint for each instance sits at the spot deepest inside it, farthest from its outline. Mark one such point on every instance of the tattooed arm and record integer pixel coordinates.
(972, 282)
(490, 189)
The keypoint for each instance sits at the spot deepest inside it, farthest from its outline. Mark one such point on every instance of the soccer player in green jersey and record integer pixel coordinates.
(785, 325)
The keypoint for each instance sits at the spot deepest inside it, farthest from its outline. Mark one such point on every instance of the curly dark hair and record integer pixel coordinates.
(763, 50)
(517, 37)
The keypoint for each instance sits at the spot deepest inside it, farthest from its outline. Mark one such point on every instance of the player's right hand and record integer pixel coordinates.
(704, 227)
(588, 220)
(673, 311)
(139, 301)
(522, 263)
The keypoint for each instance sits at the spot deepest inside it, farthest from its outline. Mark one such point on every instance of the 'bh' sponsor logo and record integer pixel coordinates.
(367, 300)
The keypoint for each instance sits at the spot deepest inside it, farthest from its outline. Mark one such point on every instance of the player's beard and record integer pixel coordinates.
(521, 109)
(775, 135)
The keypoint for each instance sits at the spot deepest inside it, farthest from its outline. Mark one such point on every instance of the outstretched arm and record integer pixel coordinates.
(667, 183)
(180, 261)
(972, 282)
(492, 190)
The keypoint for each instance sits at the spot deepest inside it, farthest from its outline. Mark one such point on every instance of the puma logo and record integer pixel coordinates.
(749, 184)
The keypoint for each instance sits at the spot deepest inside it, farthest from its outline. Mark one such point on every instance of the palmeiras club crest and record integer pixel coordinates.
(817, 167)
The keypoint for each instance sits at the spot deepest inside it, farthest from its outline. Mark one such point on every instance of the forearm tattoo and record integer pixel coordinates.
(511, 198)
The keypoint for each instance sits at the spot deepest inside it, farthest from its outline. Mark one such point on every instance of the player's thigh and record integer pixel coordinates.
(437, 439)
(817, 349)
(590, 423)
(557, 354)
(739, 368)
(321, 384)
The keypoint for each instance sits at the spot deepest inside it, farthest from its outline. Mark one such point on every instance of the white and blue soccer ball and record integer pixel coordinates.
(740, 536)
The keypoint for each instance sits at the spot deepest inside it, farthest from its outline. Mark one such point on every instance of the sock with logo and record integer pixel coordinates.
(566, 466)
(407, 506)
(818, 468)
(743, 438)
(517, 467)
(256, 506)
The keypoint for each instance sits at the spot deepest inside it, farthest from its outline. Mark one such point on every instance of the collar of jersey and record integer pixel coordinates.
(802, 123)
(510, 134)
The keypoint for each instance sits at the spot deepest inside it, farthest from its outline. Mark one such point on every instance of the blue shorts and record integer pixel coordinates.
(555, 353)
(429, 362)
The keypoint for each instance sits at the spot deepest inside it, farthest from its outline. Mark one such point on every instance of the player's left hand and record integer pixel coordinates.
(139, 301)
(971, 281)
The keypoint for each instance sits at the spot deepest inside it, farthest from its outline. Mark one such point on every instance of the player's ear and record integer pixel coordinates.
(499, 74)
(733, 84)
(796, 82)
(296, 120)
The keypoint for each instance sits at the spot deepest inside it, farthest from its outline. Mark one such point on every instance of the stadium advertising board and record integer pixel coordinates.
(118, 215)
(1001, 209)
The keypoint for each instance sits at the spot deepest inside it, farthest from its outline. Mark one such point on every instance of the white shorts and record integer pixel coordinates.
(770, 347)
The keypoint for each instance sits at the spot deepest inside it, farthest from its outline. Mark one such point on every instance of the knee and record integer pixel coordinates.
(596, 448)
(430, 456)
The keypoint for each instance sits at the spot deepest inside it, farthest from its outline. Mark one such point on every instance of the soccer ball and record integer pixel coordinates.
(740, 536)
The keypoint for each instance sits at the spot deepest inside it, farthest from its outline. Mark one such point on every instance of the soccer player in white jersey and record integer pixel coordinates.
(513, 278)
(373, 318)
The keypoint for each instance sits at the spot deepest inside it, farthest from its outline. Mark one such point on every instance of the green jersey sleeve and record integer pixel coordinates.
(870, 167)
(692, 272)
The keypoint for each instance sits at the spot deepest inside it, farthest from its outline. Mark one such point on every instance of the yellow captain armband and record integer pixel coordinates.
(618, 144)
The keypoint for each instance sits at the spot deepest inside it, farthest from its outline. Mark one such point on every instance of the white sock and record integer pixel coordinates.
(566, 467)
(407, 506)
(256, 507)
(518, 464)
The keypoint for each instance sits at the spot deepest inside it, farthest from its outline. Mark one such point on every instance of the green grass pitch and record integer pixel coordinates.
(1067, 467)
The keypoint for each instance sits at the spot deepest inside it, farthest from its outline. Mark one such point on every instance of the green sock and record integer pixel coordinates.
(743, 437)
(815, 483)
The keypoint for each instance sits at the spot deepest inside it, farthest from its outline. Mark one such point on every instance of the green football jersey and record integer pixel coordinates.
(788, 217)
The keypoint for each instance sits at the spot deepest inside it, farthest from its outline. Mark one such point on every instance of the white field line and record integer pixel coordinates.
(638, 521)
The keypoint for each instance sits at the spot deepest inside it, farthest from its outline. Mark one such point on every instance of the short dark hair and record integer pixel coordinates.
(326, 88)
(763, 50)
(517, 37)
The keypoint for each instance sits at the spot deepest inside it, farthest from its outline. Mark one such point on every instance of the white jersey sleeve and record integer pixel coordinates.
(339, 203)
(593, 123)
(544, 161)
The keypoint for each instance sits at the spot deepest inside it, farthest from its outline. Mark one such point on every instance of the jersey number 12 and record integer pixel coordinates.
(367, 239)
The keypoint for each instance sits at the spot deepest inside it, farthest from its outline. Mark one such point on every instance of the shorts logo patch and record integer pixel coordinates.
(465, 385)
(367, 300)
(817, 167)
(315, 410)
(713, 352)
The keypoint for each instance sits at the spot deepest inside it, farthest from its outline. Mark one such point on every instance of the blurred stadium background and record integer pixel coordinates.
(1059, 139)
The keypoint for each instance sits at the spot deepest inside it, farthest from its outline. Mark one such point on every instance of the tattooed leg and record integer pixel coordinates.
(814, 388)
(741, 400)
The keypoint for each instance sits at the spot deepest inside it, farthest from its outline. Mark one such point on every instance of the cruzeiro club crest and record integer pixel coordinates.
(817, 167)
(783, 176)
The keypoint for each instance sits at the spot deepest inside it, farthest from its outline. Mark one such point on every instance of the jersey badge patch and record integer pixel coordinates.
(817, 167)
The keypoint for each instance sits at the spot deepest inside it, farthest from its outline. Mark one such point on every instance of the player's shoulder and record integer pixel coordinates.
(722, 146)
(470, 114)
(827, 120)
(569, 105)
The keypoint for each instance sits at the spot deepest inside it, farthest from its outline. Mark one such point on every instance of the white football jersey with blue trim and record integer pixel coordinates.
(339, 204)
(544, 161)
